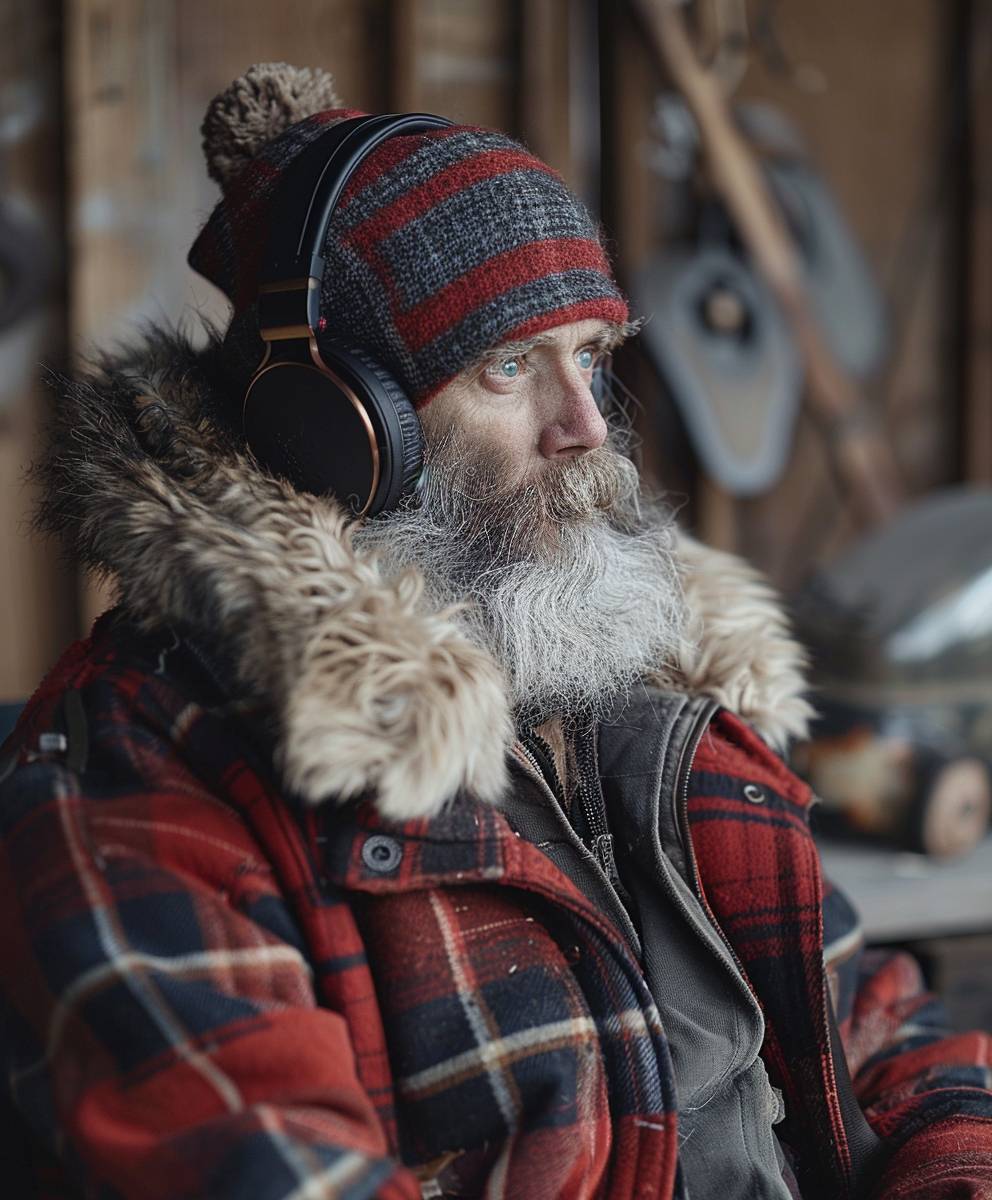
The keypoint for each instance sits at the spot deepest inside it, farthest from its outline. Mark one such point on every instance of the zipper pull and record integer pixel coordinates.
(602, 847)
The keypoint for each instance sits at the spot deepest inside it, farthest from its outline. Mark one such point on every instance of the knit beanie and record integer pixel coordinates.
(445, 244)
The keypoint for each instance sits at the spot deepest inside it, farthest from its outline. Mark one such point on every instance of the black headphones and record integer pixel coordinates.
(322, 414)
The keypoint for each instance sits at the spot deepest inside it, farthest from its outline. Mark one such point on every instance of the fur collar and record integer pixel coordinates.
(369, 689)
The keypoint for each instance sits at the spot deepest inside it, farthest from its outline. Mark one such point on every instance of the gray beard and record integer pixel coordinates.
(569, 581)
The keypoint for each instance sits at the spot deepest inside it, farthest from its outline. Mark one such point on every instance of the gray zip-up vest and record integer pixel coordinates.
(636, 765)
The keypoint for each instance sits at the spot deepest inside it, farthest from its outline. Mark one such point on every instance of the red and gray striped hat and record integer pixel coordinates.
(445, 244)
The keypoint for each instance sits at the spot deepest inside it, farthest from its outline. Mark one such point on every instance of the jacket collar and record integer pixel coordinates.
(370, 690)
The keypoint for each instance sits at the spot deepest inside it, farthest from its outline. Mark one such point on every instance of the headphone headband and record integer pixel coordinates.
(293, 266)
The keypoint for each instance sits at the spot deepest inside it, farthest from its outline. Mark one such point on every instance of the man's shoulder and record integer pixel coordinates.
(119, 674)
(129, 711)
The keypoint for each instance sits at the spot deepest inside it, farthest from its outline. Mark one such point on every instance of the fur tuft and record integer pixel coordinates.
(257, 107)
(393, 692)
(737, 645)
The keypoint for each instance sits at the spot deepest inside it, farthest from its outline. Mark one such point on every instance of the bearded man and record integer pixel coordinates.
(438, 852)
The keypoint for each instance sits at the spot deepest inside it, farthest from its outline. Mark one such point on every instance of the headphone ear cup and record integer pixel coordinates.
(339, 424)
(398, 428)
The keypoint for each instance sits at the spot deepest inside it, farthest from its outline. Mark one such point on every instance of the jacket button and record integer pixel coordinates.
(381, 854)
(754, 793)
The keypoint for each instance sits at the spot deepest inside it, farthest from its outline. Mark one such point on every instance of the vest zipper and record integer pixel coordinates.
(683, 777)
(621, 918)
(594, 805)
(532, 741)
(600, 841)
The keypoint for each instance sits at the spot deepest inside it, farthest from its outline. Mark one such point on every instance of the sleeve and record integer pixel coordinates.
(159, 1023)
(925, 1089)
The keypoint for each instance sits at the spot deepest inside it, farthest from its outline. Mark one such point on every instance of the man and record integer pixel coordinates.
(416, 856)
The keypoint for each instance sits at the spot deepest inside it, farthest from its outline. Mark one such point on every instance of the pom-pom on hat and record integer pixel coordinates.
(267, 99)
(444, 245)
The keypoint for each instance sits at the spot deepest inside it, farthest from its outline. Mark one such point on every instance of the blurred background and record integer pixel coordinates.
(798, 198)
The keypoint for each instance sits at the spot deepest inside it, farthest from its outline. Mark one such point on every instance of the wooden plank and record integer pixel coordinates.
(36, 597)
(454, 58)
(462, 60)
(123, 198)
(885, 174)
(631, 193)
(716, 516)
(402, 57)
(902, 896)
(139, 78)
(977, 423)
(630, 197)
(543, 118)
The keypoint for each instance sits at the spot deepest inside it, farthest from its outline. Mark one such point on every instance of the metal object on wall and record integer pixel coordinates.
(728, 359)
(861, 457)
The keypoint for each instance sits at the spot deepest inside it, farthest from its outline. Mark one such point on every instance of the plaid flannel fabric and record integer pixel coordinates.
(210, 991)
(923, 1089)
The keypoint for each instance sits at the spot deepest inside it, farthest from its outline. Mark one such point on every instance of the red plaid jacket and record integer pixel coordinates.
(209, 989)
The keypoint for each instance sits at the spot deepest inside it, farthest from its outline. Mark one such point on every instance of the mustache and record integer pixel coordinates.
(483, 490)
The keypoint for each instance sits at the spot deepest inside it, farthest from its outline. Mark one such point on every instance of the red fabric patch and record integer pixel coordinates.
(421, 325)
(389, 155)
(449, 182)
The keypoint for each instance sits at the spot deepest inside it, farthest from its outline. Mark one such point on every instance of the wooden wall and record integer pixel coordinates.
(37, 611)
(125, 83)
(872, 88)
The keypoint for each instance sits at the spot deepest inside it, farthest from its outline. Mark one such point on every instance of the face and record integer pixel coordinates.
(532, 399)
(530, 527)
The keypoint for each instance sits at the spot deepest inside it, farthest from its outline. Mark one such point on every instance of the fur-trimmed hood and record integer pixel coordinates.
(369, 689)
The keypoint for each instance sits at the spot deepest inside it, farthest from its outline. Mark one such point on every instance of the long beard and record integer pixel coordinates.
(569, 581)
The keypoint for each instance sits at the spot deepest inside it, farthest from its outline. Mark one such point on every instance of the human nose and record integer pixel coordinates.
(576, 425)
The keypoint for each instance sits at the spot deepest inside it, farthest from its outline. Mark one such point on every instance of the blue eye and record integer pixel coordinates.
(586, 359)
(509, 368)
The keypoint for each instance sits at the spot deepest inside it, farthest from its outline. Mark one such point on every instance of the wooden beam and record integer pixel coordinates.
(36, 594)
(543, 99)
(977, 424)
(402, 57)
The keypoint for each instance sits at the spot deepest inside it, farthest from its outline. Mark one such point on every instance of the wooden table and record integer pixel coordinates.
(907, 897)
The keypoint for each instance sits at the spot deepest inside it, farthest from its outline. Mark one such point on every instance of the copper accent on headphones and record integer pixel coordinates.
(301, 284)
(286, 332)
(363, 416)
